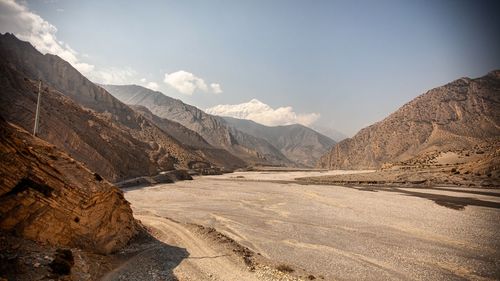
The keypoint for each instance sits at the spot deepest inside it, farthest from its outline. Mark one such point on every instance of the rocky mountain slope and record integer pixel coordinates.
(49, 197)
(461, 115)
(298, 143)
(191, 139)
(335, 135)
(212, 128)
(82, 118)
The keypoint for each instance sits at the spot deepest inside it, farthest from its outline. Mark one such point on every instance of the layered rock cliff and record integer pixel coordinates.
(460, 115)
(47, 196)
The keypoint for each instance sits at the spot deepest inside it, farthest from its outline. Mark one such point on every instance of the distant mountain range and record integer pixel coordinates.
(297, 142)
(192, 140)
(137, 133)
(332, 133)
(257, 144)
(457, 116)
(128, 131)
(85, 120)
(213, 129)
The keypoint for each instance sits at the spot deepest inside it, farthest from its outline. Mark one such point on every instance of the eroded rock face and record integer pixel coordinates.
(460, 115)
(47, 196)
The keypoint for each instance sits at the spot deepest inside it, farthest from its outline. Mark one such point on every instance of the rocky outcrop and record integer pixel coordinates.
(213, 129)
(298, 143)
(82, 118)
(47, 196)
(460, 115)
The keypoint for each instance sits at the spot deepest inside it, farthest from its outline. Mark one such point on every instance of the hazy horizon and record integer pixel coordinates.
(336, 64)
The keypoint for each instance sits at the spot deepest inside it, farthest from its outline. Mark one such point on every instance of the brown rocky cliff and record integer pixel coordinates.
(89, 137)
(47, 196)
(459, 115)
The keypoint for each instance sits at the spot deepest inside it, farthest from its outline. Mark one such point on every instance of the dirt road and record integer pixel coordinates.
(187, 257)
(339, 233)
(182, 251)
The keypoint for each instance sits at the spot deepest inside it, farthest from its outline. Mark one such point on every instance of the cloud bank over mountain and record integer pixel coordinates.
(18, 19)
(262, 113)
(187, 83)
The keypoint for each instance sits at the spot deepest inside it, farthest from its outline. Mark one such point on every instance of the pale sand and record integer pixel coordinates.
(284, 176)
(338, 232)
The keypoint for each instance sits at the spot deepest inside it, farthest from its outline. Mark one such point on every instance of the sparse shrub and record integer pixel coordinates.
(97, 177)
(62, 262)
(285, 268)
(311, 277)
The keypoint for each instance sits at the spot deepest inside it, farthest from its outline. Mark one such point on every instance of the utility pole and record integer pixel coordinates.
(37, 114)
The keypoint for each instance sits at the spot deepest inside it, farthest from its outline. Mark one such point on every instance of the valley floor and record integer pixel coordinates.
(321, 231)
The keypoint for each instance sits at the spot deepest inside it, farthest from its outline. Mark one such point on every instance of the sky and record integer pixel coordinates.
(324, 64)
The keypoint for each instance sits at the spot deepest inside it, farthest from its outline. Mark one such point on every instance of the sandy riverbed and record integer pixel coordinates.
(341, 233)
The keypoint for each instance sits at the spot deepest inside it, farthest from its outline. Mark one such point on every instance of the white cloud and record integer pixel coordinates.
(152, 85)
(262, 113)
(113, 75)
(18, 19)
(187, 83)
(216, 89)
(28, 26)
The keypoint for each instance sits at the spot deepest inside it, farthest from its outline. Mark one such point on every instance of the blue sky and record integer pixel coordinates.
(349, 62)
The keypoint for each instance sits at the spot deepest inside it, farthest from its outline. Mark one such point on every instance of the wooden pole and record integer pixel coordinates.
(37, 114)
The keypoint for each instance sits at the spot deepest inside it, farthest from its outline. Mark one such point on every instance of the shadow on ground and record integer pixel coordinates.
(147, 258)
(448, 201)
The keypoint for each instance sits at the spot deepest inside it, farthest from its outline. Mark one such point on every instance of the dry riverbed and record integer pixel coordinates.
(319, 231)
